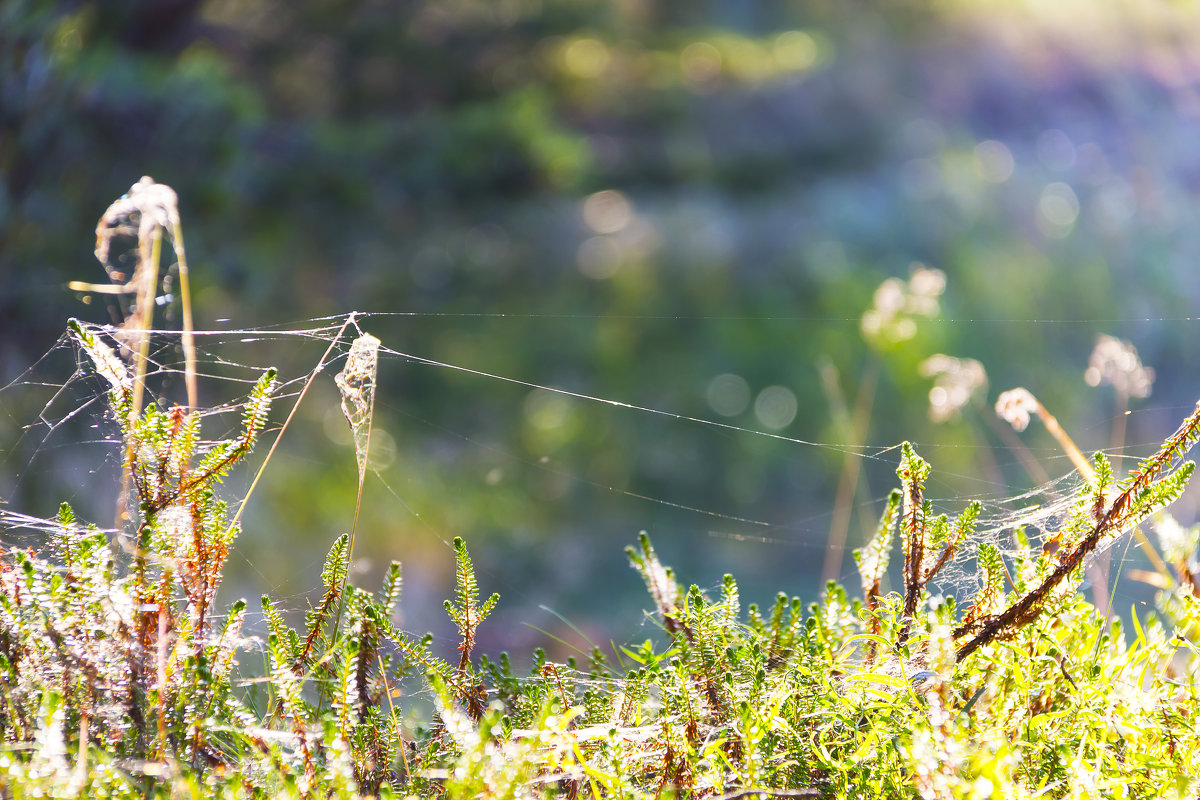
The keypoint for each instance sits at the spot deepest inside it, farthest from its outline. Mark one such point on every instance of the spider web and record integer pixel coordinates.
(59, 444)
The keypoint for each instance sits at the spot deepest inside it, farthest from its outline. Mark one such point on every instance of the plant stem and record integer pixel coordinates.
(304, 391)
(147, 274)
(854, 432)
(337, 624)
(185, 299)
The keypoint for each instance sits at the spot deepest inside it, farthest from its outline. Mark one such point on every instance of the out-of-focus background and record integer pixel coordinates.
(693, 207)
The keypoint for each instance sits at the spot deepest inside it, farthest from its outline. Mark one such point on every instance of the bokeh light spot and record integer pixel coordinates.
(607, 211)
(586, 58)
(700, 62)
(994, 161)
(794, 51)
(1058, 208)
(728, 394)
(382, 452)
(599, 257)
(546, 410)
(775, 407)
(1055, 150)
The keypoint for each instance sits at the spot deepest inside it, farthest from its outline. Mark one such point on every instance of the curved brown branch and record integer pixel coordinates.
(1028, 607)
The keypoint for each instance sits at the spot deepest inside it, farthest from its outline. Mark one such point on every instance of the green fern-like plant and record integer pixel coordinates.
(129, 656)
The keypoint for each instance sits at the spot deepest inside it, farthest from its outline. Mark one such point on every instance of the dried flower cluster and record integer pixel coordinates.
(1015, 406)
(955, 382)
(1115, 362)
(898, 304)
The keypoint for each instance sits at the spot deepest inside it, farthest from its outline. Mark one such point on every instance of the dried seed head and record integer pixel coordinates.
(1015, 405)
(956, 381)
(146, 204)
(925, 286)
(897, 304)
(1115, 361)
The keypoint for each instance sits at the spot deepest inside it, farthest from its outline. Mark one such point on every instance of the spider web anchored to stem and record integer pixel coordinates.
(1038, 515)
(59, 442)
(356, 382)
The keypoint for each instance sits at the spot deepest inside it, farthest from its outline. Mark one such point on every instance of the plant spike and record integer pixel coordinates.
(964, 525)
(872, 558)
(660, 581)
(872, 562)
(467, 616)
(393, 582)
(913, 471)
(333, 578)
(730, 599)
(110, 367)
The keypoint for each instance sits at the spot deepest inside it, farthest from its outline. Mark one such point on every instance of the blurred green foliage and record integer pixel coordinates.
(653, 195)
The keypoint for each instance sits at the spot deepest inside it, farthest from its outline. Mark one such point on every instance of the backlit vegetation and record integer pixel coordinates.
(122, 674)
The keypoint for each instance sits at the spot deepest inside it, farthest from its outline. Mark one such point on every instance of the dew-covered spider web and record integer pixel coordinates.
(456, 443)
